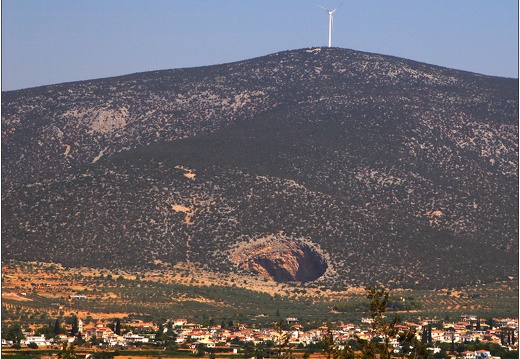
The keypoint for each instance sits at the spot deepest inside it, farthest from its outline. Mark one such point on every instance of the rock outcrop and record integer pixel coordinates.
(282, 260)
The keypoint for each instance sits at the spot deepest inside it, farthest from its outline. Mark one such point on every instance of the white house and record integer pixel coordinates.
(7, 342)
(479, 354)
(135, 338)
(39, 340)
(207, 343)
(179, 322)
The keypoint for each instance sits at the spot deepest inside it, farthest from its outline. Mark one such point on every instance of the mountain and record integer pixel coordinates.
(324, 166)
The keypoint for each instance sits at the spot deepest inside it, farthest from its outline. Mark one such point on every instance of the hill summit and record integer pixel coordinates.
(324, 166)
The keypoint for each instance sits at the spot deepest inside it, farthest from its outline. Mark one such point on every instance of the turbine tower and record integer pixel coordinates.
(330, 12)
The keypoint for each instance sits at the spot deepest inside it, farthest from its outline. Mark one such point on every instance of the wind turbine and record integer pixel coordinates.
(330, 12)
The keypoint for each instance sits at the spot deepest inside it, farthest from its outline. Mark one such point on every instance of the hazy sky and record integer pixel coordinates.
(52, 41)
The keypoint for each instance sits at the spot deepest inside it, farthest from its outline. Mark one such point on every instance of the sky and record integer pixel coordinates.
(53, 41)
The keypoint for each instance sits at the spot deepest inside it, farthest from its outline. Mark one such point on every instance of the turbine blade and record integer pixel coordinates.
(337, 7)
(323, 8)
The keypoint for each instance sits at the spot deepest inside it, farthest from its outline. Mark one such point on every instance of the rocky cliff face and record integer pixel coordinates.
(376, 169)
(281, 259)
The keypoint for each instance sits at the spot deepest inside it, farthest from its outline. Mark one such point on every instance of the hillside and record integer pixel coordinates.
(325, 166)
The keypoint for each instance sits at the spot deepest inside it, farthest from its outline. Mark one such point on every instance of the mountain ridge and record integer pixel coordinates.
(373, 160)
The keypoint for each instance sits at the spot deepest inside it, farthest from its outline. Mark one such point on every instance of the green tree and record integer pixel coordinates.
(47, 331)
(74, 329)
(424, 336)
(411, 347)
(57, 327)
(94, 340)
(14, 333)
(260, 351)
(249, 350)
(345, 353)
(67, 352)
(118, 327)
(159, 334)
(201, 350)
(282, 342)
(79, 339)
(385, 331)
(452, 346)
(327, 343)
(332, 350)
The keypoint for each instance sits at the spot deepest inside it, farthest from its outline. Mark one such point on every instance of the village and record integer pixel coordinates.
(193, 337)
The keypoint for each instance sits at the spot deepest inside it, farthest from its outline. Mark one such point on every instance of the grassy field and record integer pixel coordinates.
(35, 293)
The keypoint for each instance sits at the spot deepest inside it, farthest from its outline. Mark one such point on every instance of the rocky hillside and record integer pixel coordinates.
(324, 166)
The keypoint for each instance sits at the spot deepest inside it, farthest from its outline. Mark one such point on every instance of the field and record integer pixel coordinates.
(33, 294)
(15, 354)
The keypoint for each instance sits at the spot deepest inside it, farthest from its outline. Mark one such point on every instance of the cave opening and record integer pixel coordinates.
(297, 262)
